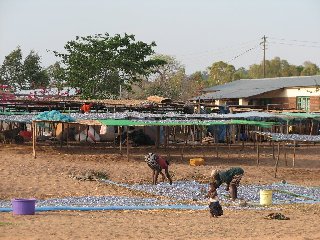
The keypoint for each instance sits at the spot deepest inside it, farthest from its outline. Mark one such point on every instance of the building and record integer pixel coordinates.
(300, 93)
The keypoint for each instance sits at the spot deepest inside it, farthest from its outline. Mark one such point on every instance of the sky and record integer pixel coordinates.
(196, 32)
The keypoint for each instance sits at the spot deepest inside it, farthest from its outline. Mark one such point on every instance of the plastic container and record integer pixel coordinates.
(22, 206)
(265, 197)
(196, 161)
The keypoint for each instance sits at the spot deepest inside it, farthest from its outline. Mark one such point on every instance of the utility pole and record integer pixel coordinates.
(264, 38)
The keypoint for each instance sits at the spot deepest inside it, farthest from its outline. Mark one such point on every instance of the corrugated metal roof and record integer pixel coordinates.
(250, 87)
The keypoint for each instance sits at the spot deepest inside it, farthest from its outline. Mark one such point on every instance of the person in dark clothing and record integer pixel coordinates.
(214, 206)
(232, 178)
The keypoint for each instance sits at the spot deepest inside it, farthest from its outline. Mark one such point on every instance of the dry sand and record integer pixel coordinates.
(48, 176)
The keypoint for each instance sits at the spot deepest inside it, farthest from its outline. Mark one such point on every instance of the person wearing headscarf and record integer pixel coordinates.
(157, 163)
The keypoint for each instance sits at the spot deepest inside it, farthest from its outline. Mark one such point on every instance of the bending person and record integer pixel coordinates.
(214, 205)
(232, 178)
(157, 163)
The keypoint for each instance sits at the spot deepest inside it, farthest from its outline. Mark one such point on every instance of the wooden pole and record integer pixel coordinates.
(185, 141)
(285, 153)
(193, 132)
(68, 134)
(273, 156)
(120, 138)
(79, 129)
(294, 153)
(165, 137)
(311, 128)
(62, 132)
(277, 162)
(258, 153)
(34, 139)
(128, 144)
(158, 137)
(216, 141)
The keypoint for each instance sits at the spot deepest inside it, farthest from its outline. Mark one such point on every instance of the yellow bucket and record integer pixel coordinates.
(196, 161)
(265, 197)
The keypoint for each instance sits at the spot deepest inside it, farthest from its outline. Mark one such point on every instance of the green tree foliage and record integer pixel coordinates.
(274, 68)
(168, 79)
(23, 74)
(56, 75)
(99, 64)
(33, 74)
(221, 73)
(194, 84)
(240, 73)
(310, 69)
(11, 70)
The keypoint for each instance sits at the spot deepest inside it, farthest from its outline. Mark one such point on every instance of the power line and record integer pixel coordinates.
(292, 44)
(239, 55)
(219, 50)
(304, 41)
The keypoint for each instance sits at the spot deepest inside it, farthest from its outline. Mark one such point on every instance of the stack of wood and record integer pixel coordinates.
(208, 139)
(158, 99)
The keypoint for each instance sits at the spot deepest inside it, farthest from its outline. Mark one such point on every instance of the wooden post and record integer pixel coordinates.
(165, 136)
(62, 132)
(216, 141)
(273, 156)
(68, 134)
(79, 128)
(120, 138)
(285, 153)
(193, 132)
(233, 132)
(34, 139)
(185, 134)
(128, 144)
(158, 137)
(311, 128)
(258, 153)
(278, 157)
(94, 134)
(294, 154)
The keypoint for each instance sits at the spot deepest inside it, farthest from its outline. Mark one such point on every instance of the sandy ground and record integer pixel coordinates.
(49, 176)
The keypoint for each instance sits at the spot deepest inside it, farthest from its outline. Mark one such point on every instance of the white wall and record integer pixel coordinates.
(292, 92)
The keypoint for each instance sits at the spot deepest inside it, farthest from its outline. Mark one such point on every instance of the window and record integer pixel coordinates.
(265, 101)
(303, 103)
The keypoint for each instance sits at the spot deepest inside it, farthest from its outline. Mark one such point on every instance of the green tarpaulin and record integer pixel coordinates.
(301, 115)
(125, 122)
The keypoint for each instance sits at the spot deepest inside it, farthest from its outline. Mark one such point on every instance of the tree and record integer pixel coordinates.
(56, 75)
(194, 84)
(98, 65)
(274, 68)
(221, 73)
(23, 74)
(167, 80)
(11, 71)
(34, 75)
(240, 73)
(310, 69)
